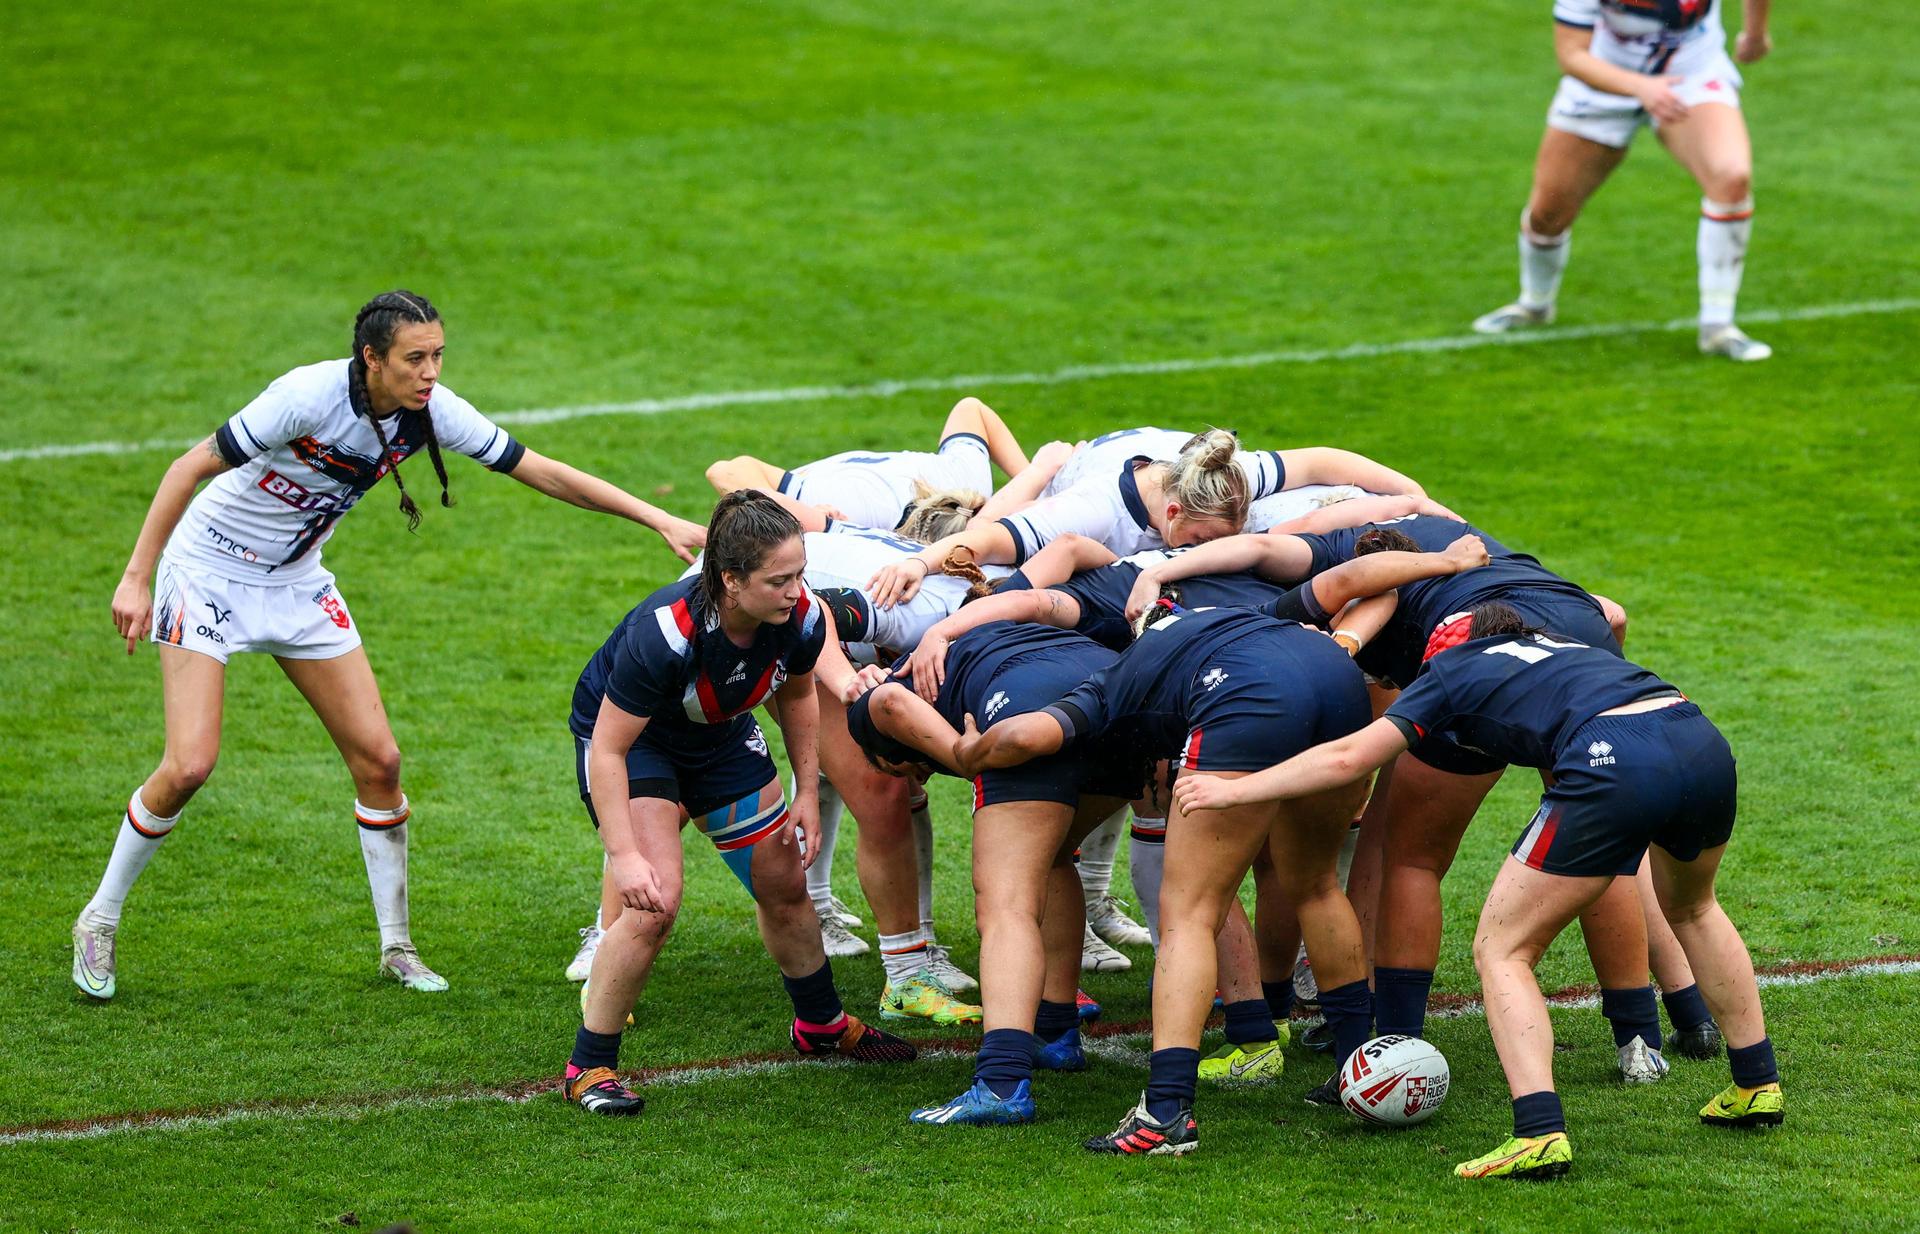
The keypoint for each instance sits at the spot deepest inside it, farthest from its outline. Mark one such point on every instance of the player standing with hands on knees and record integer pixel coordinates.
(236, 567)
(1629, 63)
(663, 732)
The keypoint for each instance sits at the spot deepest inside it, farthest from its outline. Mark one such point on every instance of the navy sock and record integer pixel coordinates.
(1279, 996)
(1172, 1075)
(1055, 1020)
(1753, 1065)
(1400, 999)
(1686, 1008)
(1633, 1013)
(814, 998)
(1538, 1114)
(1249, 1021)
(1005, 1059)
(1349, 1011)
(591, 1049)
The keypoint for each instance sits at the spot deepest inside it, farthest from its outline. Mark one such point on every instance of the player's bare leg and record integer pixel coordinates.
(343, 693)
(970, 415)
(193, 692)
(745, 471)
(1694, 1035)
(1712, 144)
(1566, 173)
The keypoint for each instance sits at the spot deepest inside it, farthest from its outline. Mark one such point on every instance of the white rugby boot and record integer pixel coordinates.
(1097, 957)
(1733, 343)
(1510, 317)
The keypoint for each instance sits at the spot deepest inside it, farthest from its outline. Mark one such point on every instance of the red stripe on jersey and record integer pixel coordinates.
(683, 617)
(1537, 855)
(1192, 760)
(761, 689)
(708, 698)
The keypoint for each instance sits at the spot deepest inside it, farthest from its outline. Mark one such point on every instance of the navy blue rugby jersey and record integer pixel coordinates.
(1395, 654)
(678, 672)
(1518, 698)
(980, 655)
(1143, 698)
(1102, 594)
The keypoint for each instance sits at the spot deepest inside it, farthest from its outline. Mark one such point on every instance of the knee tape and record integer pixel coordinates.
(735, 829)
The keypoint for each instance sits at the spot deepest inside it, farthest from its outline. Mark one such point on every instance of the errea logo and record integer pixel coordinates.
(1213, 677)
(739, 673)
(995, 703)
(1600, 754)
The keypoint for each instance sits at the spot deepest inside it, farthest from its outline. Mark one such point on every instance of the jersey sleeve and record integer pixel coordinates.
(812, 635)
(1584, 14)
(1423, 707)
(645, 675)
(461, 428)
(1265, 470)
(285, 411)
(1088, 508)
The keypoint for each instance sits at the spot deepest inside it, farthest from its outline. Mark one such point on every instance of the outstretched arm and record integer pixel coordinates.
(910, 720)
(1281, 558)
(929, 662)
(1327, 465)
(1323, 767)
(1026, 485)
(1059, 561)
(1376, 573)
(133, 598)
(569, 484)
(900, 582)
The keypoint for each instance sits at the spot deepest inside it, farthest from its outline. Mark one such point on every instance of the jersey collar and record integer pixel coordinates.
(1130, 492)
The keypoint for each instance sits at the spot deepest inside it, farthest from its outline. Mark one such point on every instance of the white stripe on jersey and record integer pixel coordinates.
(670, 630)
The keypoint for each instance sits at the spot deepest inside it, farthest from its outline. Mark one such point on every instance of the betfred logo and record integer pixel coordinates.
(301, 497)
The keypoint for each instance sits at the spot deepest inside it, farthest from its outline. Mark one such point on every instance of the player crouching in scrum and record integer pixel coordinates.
(1634, 764)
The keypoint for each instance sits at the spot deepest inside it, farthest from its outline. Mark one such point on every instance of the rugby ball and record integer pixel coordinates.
(1394, 1081)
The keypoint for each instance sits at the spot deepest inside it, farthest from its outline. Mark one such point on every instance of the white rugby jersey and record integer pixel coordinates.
(874, 488)
(301, 459)
(1101, 500)
(1649, 36)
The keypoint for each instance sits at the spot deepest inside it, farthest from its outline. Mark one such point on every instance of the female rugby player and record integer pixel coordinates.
(1026, 821)
(1420, 811)
(663, 732)
(1114, 492)
(1220, 689)
(239, 570)
(1634, 764)
(1629, 63)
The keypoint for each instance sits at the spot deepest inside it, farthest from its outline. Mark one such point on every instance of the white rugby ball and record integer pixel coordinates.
(1394, 1081)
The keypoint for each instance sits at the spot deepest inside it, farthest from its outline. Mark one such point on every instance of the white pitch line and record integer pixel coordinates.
(1053, 377)
(1125, 1050)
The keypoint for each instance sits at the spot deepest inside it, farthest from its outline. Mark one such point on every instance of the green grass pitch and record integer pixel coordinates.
(613, 203)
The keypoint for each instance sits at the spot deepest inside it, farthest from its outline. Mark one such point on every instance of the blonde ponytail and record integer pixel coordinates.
(938, 513)
(1206, 480)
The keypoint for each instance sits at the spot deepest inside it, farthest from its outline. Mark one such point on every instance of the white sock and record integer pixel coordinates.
(1146, 861)
(903, 955)
(141, 831)
(383, 843)
(820, 875)
(922, 818)
(1724, 230)
(1543, 259)
(1096, 857)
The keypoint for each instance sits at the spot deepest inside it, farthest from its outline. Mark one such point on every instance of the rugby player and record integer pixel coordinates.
(239, 570)
(1634, 764)
(1629, 63)
(663, 733)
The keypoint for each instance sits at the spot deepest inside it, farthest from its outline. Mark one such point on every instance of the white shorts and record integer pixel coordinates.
(215, 616)
(1613, 119)
(874, 490)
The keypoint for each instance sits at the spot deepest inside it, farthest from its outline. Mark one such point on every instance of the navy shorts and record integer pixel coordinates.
(1264, 698)
(1029, 683)
(710, 775)
(1558, 612)
(1659, 777)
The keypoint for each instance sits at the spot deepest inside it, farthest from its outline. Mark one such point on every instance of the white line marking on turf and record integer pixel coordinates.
(1055, 377)
(1126, 1049)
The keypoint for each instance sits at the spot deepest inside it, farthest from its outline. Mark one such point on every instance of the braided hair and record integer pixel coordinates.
(378, 321)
